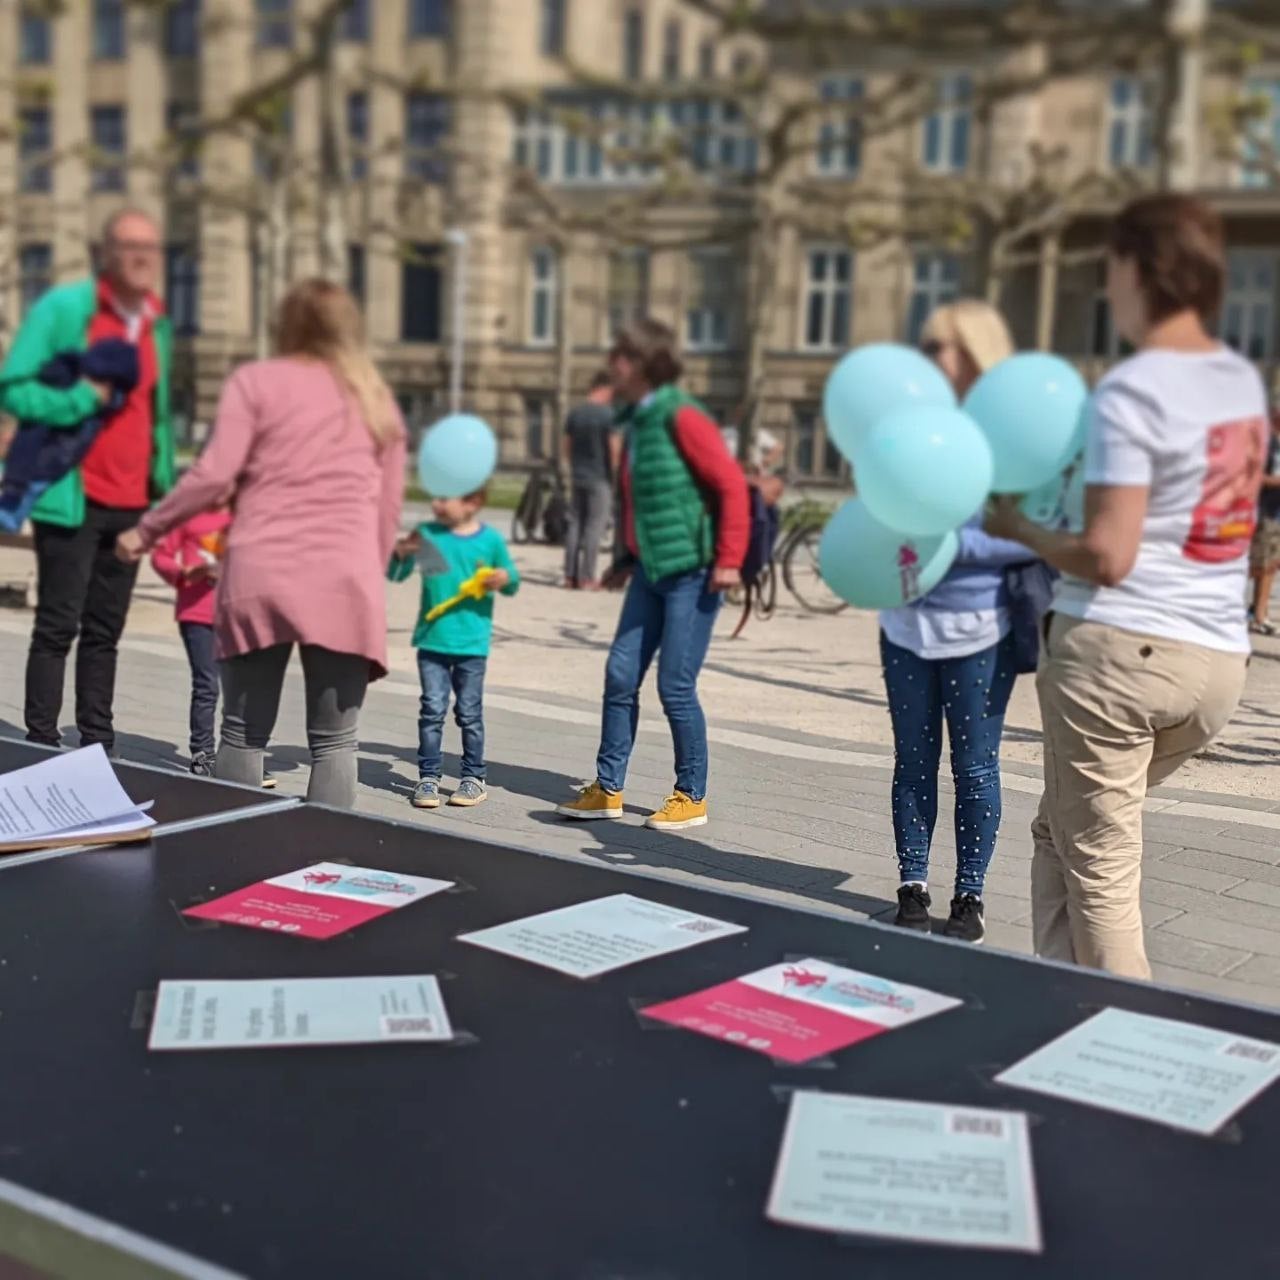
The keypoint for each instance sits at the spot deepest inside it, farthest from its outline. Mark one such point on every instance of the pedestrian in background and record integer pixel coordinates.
(82, 590)
(1264, 554)
(590, 452)
(312, 446)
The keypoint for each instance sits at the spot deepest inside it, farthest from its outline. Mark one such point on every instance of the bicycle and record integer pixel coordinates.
(541, 511)
(798, 555)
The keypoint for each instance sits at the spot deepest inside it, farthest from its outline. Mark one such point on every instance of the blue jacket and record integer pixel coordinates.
(977, 580)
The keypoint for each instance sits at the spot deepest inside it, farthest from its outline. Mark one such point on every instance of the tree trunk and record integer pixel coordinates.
(334, 168)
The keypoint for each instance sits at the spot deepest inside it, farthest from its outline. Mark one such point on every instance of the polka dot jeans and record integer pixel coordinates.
(972, 693)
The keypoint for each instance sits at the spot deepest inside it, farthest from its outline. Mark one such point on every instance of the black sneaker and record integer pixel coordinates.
(202, 764)
(913, 908)
(966, 922)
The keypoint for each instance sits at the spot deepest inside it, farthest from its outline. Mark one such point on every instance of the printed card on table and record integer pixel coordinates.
(912, 1171)
(1173, 1073)
(271, 1013)
(597, 937)
(801, 1010)
(320, 901)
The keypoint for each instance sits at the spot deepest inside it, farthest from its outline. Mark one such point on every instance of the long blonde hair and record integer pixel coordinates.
(321, 320)
(974, 326)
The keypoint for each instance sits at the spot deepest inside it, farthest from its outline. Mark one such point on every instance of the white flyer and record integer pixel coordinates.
(916, 1171)
(1175, 1073)
(597, 937)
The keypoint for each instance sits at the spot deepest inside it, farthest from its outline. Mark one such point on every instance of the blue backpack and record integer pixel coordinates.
(760, 547)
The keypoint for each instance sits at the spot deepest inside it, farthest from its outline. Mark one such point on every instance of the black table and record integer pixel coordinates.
(178, 796)
(569, 1140)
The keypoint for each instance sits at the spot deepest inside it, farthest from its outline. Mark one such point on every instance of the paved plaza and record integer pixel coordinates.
(801, 765)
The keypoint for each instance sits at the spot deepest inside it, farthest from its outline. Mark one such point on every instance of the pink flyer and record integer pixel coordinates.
(319, 901)
(801, 1010)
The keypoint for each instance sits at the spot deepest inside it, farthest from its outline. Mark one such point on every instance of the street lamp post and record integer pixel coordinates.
(459, 242)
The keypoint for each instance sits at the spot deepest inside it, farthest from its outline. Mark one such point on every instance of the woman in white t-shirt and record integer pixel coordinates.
(1147, 647)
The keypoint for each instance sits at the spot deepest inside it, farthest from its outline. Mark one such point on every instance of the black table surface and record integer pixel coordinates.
(567, 1138)
(178, 796)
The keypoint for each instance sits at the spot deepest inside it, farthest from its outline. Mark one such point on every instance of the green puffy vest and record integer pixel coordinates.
(675, 532)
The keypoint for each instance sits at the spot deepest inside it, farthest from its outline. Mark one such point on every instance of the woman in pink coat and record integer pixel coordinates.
(312, 446)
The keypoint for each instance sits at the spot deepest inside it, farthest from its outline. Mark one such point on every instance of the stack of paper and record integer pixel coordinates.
(66, 800)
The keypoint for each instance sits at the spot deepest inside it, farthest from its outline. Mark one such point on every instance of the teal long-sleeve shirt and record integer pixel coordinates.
(466, 630)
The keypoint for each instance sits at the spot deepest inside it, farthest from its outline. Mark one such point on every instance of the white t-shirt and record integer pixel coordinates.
(1192, 428)
(940, 633)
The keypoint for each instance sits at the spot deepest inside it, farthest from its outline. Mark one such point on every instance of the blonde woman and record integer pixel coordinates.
(951, 655)
(311, 447)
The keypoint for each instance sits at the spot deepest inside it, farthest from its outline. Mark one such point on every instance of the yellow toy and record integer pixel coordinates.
(475, 588)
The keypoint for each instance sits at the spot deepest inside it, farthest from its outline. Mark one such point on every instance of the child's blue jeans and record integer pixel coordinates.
(442, 674)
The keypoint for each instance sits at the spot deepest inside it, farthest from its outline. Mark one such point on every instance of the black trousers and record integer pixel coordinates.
(81, 589)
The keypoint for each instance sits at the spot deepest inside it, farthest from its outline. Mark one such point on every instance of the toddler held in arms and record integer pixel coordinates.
(463, 562)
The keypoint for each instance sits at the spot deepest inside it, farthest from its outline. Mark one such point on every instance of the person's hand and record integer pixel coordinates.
(1002, 518)
(103, 390)
(722, 578)
(202, 572)
(407, 545)
(616, 578)
(129, 547)
(498, 579)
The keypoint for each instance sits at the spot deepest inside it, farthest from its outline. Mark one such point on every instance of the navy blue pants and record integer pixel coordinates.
(198, 639)
(442, 674)
(973, 694)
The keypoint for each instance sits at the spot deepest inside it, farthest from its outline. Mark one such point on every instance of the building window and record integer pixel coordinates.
(945, 141)
(812, 454)
(428, 19)
(182, 28)
(1130, 136)
(35, 38)
(544, 286)
(552, 33)
(181, 119)
(535, 428)
(358, 134)
(935, 282)
(426, 130)
(35, 273)
(717, 137)
(1260, 158)
(1249, 311)
(182, 289)
(107, 136)
(840, 133)
(420, 291)
(275, 23)
(672, 47)
(711, 296)
(356, 22)
(356, 272)
(707, 60)
(108, 30)
(628, 300)
(828, 298)
(633, 44)
(35, 141)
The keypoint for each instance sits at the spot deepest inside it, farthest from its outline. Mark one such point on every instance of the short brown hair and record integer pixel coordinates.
(1177, 243)
(653, 344)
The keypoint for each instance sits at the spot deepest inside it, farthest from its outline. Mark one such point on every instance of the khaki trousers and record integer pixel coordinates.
(1121, 712)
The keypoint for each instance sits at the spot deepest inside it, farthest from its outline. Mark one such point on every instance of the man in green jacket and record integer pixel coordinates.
(82, 589)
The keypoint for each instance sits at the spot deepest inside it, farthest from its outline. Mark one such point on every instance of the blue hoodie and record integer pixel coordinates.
(977, 579)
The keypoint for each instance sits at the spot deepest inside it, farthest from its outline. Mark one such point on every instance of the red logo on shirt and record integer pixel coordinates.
(1223, 523)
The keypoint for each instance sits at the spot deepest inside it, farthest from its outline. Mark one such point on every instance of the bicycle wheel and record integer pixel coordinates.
(767, 591)
(801, 574)
(525, 518)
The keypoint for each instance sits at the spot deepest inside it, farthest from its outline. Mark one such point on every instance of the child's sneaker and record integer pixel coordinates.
(470, 793)
(202, 764)
(678, 813)
(593, 802)
(426, 795)
(268, 782)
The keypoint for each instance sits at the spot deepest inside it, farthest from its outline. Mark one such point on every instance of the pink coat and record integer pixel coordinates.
(317, 508)
(185, 547)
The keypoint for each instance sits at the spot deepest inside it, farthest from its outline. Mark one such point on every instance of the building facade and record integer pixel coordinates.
(525, 176)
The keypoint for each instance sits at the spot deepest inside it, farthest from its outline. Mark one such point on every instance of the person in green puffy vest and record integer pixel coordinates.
(685, 526)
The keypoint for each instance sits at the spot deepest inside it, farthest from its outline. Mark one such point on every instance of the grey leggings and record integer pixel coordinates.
(335, 685)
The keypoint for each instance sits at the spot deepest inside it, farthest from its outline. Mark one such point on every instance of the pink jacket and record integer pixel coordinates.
(191, 544)
(317, 507)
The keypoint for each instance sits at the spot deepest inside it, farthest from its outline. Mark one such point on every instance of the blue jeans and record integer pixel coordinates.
(673, 618)
(198, 639)
(441, 674)
(973, 693)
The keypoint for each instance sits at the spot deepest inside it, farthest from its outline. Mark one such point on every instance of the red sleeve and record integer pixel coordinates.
(165, 559)
(703, 447)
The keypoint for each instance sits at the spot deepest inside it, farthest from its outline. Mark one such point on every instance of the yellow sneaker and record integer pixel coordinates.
(593, 803)
(678, 813)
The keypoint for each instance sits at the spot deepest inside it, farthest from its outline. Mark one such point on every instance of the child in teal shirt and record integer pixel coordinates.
(453, 649)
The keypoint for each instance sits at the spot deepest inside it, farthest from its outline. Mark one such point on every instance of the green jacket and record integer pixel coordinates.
(675, 532)
(59, 322)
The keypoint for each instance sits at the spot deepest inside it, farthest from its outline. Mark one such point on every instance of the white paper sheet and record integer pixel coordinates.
(913, 1171)
(70, 796)
(1173, 1073)
(597, 937)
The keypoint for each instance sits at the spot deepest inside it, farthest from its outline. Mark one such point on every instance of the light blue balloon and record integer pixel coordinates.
(873, 381)
(1060, 503)
(923, 471)
(873, 567)
(1031, 409)
(457, 456)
